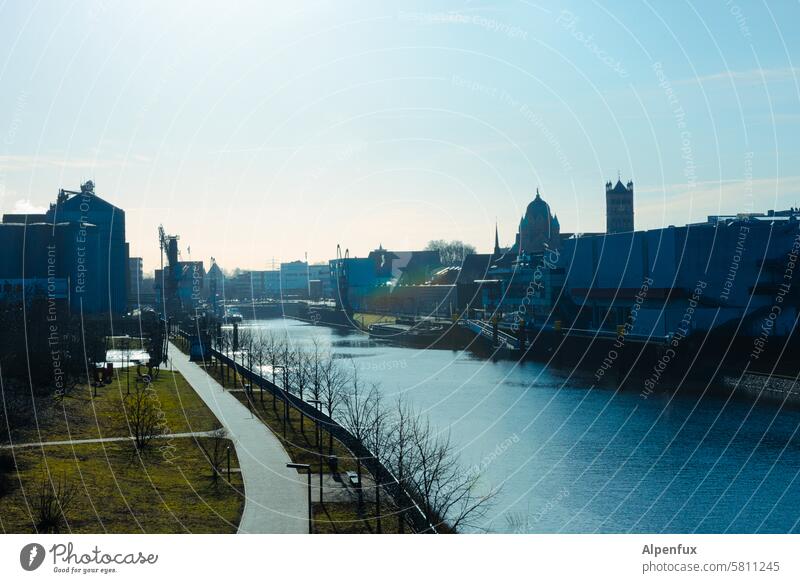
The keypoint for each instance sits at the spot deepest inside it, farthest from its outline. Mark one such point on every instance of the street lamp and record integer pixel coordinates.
(318, 406)
(307, 468)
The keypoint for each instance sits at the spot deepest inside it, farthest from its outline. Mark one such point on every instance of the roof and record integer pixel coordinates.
(538, 207)
(23, 218)
(619, 188)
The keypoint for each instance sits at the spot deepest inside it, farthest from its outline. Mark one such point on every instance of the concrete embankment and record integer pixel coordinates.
(778, 389)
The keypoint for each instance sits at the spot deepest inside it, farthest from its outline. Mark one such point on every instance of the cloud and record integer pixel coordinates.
(12, 163)
(24, 205)
(678, 203)
(749, 76)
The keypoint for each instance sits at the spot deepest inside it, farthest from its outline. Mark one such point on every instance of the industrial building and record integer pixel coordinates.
(135, 280)
(728, 271)
(179, 285)
(76, 251)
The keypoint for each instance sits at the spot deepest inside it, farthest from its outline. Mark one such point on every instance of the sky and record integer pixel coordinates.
(265, 131)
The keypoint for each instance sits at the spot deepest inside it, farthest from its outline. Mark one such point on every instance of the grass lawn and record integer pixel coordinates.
(118, 491)
(80, 415)
(301, 445)
(115, 488)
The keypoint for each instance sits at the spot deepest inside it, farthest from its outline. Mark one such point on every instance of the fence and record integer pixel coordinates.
(412, 513)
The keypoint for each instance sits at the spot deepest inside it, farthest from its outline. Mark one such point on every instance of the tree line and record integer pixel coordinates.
(414, 455)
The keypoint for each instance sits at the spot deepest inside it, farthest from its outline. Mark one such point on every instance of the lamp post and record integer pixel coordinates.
(307, 468)
(318, 406)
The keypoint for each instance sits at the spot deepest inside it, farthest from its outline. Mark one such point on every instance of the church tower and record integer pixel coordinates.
(619, 207)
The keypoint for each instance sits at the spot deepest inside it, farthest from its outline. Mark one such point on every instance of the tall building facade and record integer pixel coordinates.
(83, 239)
(135, 279)
(619, 207)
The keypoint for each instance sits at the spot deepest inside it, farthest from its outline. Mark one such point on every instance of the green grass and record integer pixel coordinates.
(118, 491)
(300, 444)
(81, 415)
(300, 441)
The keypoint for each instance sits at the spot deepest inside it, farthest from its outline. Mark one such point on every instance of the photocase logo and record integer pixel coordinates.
(31, 556)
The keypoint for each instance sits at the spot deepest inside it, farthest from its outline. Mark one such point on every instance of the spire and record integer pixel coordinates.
(496, 240)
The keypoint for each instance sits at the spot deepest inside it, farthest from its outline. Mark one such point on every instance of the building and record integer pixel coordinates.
(726, 273)
(135, 279)
(77, 245)
(189, 285)
(215, 283)
(272, 283)
(319, 281)
(244, 285)
(539, 230)
(41, 260)
(366, 284)
(619, 207)
(294, 280)
(734, 265)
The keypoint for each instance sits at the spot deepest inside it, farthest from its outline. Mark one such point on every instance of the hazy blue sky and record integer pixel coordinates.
(258, 132)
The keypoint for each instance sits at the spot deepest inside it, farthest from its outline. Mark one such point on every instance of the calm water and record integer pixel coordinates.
(571, 459)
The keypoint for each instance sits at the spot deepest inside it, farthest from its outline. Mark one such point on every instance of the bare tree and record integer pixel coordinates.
(143, 415)
(289, 362)
(258, 359)
(377, 442)
(274, 351)
(358, 415)
(52, 504)
(450, 252)
(301, 374)
(216, 452)
(332, 384)
(246, 343)
(399, 456)
(447, 493)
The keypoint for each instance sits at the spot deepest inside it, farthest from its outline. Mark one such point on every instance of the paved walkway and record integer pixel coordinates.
(275, 496)
(101, 440)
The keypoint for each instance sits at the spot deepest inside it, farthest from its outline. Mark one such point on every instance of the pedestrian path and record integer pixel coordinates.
(275, 496)
(101, 440)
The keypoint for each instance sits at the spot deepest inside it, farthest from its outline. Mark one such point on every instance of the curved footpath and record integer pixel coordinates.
(275, 496)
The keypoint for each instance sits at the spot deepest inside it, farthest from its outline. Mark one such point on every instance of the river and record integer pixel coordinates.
(578, 460)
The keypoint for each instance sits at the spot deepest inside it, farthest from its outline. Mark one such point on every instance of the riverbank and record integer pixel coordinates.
(596, 458)
(615, 362)
(339, 506)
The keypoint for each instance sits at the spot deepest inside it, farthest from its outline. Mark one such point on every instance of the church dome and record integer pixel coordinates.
(538, 208)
